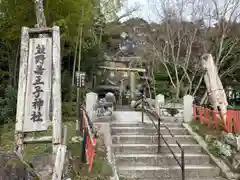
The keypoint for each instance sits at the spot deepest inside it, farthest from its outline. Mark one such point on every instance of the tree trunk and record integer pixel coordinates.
(41, 20)
(203, 99)
(198, 85)
(177, 92)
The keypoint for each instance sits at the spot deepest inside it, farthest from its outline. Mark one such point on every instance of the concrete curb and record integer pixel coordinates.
(106, 131)
(225, 170)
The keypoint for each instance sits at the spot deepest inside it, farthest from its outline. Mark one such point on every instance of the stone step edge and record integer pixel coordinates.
(147, 128)
(157, 168)
(154, 145)
(200, 155)
(147, 122)
(139, 136)
(225, 170)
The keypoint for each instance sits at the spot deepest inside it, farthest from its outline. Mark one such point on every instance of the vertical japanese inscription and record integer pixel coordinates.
(39, 58)
(38, 87)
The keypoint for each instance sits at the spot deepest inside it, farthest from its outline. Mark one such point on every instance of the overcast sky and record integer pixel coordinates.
(142, 12)
(148, 8)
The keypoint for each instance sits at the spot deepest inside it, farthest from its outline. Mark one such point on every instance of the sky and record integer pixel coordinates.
(143, 9)
(148, 8)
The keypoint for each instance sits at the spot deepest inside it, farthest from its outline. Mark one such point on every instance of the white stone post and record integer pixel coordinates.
(160, 100)
(91, 100)
(188, 108)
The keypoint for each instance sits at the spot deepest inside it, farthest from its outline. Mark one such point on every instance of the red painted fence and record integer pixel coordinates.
(211, 118)
(89, 139)
(90, 151)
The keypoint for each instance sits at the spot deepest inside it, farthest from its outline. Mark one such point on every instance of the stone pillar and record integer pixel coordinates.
(214, 85)
(132, 85)
(91, 100)
(160, 100)
(122, 91)
(188, 108)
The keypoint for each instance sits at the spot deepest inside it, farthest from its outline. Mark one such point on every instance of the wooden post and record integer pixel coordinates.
(60, 158)
(79, 66)
(56, 91)
(21, 91)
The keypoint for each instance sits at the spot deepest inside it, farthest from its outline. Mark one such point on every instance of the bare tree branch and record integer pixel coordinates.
(128, 13)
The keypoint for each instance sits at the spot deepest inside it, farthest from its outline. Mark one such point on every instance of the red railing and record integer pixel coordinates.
(89, 139)
(211, 118)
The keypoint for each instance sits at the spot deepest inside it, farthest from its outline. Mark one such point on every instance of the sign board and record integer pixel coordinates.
(80, 78)
(38, 87)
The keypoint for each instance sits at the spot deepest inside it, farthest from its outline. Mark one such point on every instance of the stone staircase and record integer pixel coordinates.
(135, 149)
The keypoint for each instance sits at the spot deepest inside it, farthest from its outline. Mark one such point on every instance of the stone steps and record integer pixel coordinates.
(168, 173)
(153, 148)
(171, 119)
(163, 160)
(148, 130)
(135, 148)
(151, 139)
(145, 124)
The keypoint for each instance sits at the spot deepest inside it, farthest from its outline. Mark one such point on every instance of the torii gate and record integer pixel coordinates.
(129, 69)
(129, 61)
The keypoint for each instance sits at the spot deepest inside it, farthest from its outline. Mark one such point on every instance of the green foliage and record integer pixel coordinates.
(69, 110)
(162, 84)
(233, 107)
(219, 149)
(213, 139)
(64, 13)
(15, 14)
(8, 105)
(66, 85)
(92, 56)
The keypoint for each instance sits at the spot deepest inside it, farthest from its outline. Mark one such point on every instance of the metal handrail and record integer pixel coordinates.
(153, 112)
(182, 163)
(89, 141)
(156, 126)
(89, 125)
